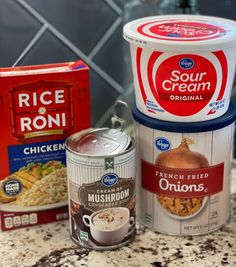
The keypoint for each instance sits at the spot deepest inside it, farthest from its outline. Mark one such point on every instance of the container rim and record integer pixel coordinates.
(187, 127)
(79, 134)
(227, 40)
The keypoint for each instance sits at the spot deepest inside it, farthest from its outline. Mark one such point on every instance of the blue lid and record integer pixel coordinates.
(182, 127)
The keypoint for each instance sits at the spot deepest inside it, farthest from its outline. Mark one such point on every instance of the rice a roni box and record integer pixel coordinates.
(39, 106)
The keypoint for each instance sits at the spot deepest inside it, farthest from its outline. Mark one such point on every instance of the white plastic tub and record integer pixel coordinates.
(183, 66)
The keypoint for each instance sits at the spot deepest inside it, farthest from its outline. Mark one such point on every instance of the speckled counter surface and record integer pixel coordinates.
(50, 245)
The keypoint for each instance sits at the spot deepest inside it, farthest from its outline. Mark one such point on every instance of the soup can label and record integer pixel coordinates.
(102, 198)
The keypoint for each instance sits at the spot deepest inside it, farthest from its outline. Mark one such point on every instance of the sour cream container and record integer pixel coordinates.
(183, 66)
(183, 173)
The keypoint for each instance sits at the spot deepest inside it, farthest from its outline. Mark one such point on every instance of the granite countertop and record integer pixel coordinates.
(50, 245)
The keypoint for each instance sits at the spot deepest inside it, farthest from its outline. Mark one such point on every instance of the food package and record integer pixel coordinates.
(40, 106)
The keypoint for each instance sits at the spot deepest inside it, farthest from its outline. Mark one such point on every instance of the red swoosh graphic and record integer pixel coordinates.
(223, 63)
(138, 62)
(151, 63)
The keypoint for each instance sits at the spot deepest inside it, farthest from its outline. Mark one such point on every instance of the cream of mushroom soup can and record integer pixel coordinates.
(183, 177)
(101, 184)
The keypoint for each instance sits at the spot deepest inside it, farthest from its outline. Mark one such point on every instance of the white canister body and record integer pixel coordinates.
(183, 178)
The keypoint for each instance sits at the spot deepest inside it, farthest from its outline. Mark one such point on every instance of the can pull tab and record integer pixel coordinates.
(118, 109)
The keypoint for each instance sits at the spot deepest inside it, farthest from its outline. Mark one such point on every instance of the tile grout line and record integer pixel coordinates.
(72, 47)
(105, 37)
(114, 6)
(108, 113)
(129, 90)
(78, 52)
(31, 44)
(33, 12)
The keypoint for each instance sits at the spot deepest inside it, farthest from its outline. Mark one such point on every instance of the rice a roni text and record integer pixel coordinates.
(40, 107)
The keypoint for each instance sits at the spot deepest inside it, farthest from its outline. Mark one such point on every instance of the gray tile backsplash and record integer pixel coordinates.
(225, 8)
(17, 28)
(102, 97)
(47, 49)
(82, 22)
(112, 60)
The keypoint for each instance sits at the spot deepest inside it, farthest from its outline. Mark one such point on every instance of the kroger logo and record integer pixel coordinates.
(109, 179)
(162, 144)
(186, 63)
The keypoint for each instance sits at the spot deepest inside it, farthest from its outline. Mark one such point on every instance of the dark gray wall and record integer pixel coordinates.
(222, 8)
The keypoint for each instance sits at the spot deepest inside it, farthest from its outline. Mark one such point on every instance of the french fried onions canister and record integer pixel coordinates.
(101, 184)
(183, 178)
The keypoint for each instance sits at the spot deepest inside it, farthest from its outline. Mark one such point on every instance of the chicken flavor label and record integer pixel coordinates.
(182, 182)
(21, 155)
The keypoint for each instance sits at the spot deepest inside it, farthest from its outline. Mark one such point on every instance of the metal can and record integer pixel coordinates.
(183, 181)
(101, 184)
